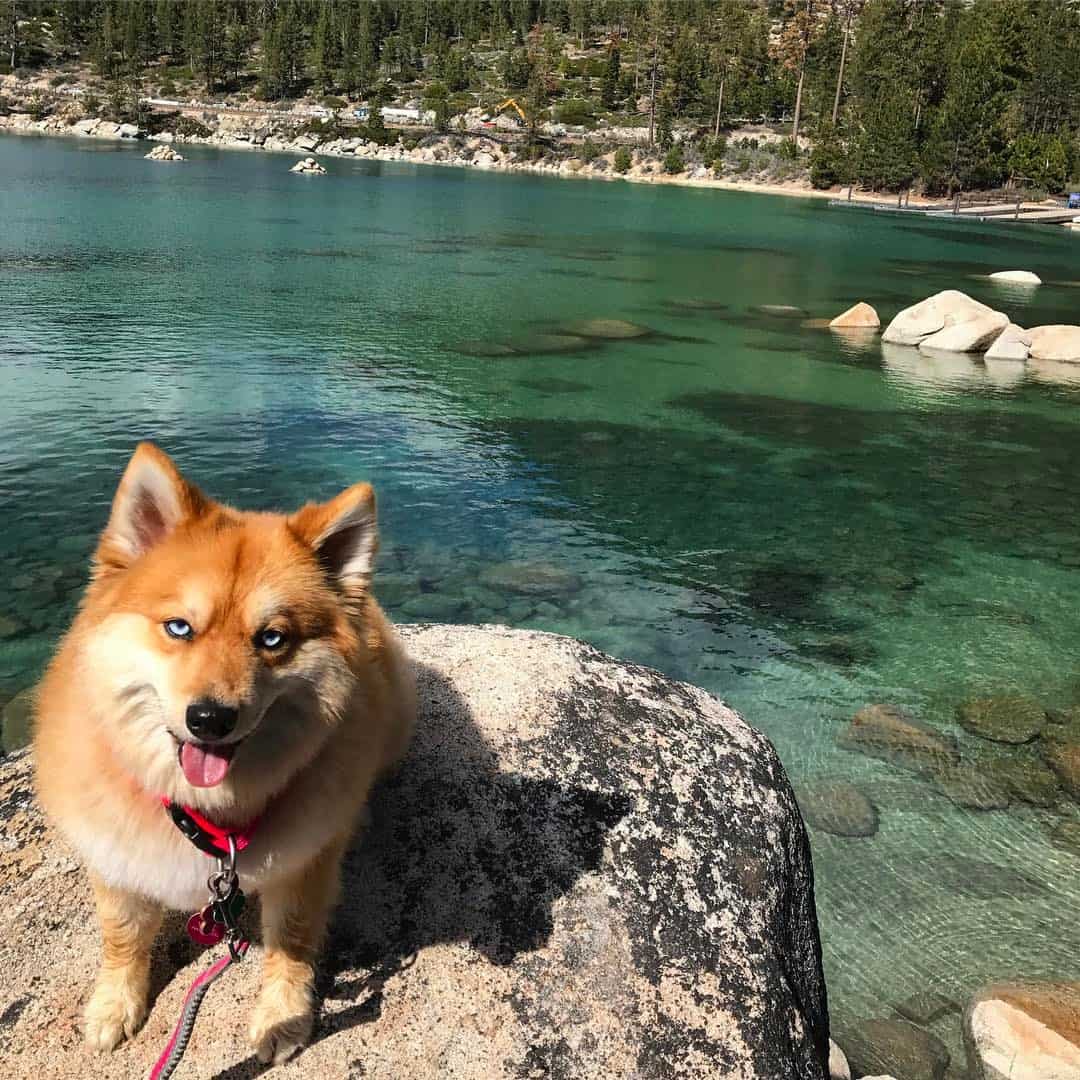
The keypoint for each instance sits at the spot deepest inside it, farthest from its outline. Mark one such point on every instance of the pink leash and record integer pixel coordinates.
(216, 922)
(178, 1042)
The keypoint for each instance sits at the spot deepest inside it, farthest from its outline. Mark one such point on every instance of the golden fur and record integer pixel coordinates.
(319, 719)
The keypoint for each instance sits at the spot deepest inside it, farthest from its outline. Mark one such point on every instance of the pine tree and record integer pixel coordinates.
(437, 100)
(204, 28)
(967, 141)
(9, 27)
(609, 94)
(376, 125)
(106, 46)
(324, 52)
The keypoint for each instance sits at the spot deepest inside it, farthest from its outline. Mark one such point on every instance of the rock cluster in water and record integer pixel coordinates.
(308, 165)
(1018, 752)
(952, 322)
(163, 152)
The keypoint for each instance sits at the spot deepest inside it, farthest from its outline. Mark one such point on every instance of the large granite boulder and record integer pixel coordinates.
(949, 321)
(582, 869)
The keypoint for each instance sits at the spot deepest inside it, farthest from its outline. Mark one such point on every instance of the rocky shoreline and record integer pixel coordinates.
(457, 150)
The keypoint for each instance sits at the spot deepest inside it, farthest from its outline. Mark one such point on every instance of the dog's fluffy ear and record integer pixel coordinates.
(152, 499)
(343, 535)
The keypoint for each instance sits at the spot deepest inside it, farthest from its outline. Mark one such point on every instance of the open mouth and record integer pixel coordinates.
(205, 765)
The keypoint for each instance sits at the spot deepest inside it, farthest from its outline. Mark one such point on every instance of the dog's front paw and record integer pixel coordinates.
(115, 1011)
(282, 1022)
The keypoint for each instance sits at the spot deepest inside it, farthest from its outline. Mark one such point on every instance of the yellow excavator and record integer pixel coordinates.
(512, 104)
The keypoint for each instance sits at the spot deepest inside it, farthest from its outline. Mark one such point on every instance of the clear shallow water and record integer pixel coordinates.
(800, 523)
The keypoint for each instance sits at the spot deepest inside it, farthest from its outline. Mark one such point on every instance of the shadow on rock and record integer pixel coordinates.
(457, 851)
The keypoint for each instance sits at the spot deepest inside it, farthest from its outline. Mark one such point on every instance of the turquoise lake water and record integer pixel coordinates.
(799, 522)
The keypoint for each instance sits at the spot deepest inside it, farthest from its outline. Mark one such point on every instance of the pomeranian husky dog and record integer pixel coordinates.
(234, 664)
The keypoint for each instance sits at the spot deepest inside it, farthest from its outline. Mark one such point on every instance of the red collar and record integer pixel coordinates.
(209, 838)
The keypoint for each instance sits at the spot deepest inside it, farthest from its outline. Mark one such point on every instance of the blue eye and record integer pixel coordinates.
(179, 628)
(270, 639)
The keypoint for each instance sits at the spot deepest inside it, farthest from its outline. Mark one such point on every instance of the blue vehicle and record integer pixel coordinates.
(1074, 201)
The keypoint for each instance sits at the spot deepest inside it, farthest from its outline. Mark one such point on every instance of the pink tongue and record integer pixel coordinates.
(203, 765)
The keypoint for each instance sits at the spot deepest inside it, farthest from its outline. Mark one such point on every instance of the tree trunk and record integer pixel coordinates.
(14, 33)
(798, 103)
(652, 98)
(719, 107)
(840, 74)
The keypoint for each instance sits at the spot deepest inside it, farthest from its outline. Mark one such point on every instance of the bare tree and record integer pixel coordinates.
(791, 49)
(849, 9)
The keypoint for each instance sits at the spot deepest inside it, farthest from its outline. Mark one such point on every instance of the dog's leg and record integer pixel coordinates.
(117, 1007)
(294, 917)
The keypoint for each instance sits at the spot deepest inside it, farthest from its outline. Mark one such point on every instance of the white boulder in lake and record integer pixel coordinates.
(949, 321)
(860, 316)
(1021, 277)
(1060, 343)
(163, 153)
(1024, 1031)
(310, 166)
(1012, 343)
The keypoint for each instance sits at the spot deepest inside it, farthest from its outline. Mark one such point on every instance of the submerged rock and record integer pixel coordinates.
(890, 733)
(541, 344)
(1066, 834)
(894, 1047)
(839, 808)
(926, 1007)
(860, 316)
(1064, 758)
(531, 579)
(780, 311)
(694, 303)
(1003, 719)
(607, 329)
(969, 786)
(582, 869)
(1027, 778)
(1024, 1031)
(485, 348)
(10, 627)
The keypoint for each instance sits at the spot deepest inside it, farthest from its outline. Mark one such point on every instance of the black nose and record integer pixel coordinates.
(210, 719)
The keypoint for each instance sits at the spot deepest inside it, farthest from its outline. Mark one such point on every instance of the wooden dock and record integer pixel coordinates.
(1027, 213)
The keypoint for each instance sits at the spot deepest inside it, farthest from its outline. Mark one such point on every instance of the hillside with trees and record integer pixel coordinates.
(940, 95)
